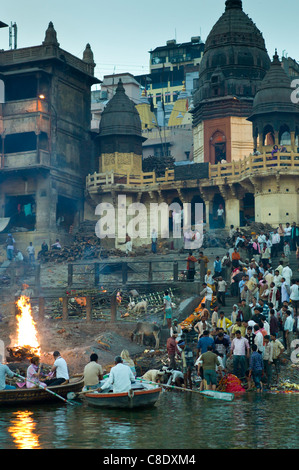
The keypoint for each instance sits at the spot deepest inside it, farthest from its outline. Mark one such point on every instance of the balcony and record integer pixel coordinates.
(21, 160)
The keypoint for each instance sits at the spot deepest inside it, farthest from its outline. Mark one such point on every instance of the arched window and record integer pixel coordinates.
(269, 136)
(284, 135)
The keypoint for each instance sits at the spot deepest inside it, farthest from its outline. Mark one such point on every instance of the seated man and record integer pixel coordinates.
(5, 371)
(59, 369)
(120, 377)
(93, 373)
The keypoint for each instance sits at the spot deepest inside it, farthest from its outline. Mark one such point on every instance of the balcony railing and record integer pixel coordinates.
(256, 164)
(96, 180)
(252, 165)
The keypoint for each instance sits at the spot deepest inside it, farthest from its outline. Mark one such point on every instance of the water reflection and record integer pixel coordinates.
(23, 430)
(252, 421)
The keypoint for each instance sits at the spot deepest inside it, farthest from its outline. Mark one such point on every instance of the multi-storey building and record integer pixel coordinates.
(46, 146)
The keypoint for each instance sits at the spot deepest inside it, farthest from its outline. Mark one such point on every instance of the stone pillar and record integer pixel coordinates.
(232, 212)
(44, 204)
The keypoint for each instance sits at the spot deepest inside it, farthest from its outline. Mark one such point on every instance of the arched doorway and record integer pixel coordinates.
(247, 210)
(218, 147)
(217, 217)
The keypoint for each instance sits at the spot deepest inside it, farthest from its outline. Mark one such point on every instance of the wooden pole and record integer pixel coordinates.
(88, 309)
(65, 313)
(41, 308)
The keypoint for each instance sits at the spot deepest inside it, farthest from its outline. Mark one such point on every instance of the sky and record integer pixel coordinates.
(121, 33)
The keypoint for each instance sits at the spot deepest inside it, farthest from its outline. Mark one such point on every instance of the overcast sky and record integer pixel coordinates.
(122, 32)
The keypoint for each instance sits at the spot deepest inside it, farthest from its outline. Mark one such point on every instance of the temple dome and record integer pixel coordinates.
(274, 94)
(235, 58)
(120, 116)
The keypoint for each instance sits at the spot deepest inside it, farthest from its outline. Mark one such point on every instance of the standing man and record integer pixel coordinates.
(268, 359)
(208, 294)
(288, 329)
(154, 241)
(277, 351)
(222, 288)
(239, 351)
(10, 246)
(172, 350)
(223, 322)
(31, 253)
(191, 260)
(167, 308)
(275, 244)
(256, 368)
(188, 363)
(217, 267)
(210, 361)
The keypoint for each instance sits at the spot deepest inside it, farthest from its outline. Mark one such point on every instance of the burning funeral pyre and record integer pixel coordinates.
(26, 344)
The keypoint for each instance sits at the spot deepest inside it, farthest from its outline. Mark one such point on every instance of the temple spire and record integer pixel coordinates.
(230, 4)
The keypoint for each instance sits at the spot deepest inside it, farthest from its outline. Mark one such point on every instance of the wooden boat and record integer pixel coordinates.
(140, 396)
(26, 396)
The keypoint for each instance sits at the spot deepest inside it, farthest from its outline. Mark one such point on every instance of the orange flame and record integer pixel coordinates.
(27, 334)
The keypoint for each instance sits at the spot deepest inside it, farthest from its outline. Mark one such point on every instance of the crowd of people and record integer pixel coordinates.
(264, 320)
(14, 253)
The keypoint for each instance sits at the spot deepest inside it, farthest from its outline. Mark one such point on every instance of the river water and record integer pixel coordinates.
(178, 421)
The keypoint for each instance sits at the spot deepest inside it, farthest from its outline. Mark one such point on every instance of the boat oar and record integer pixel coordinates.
(45, 388)
(206, 393)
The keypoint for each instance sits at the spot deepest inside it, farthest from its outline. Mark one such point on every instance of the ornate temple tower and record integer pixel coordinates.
(234, 63)
(120, 136)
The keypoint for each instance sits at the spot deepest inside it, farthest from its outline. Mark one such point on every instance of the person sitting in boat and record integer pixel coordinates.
(154, 375)
(5, 371)
(60, 370)
(93, 373)
(127, 361)
(33, 374)
(120, 377)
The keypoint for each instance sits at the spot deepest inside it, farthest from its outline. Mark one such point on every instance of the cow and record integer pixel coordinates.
(147, 329)
(137, 308)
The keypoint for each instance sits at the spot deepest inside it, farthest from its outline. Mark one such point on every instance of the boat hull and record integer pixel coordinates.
(130, 400)
(38, 395)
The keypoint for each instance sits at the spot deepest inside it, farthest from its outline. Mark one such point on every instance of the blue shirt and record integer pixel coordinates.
(4, 370)
(204, 342)
(256, 361)
(217, 266)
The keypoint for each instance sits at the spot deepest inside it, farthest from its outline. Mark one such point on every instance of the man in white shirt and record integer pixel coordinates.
(275, 243)
(239, 350)
(60, 370)
(285, 290)
(259, 339)
(294, 296)
(208, 293)
(288, 329)
(287, 273)
(120, 377)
